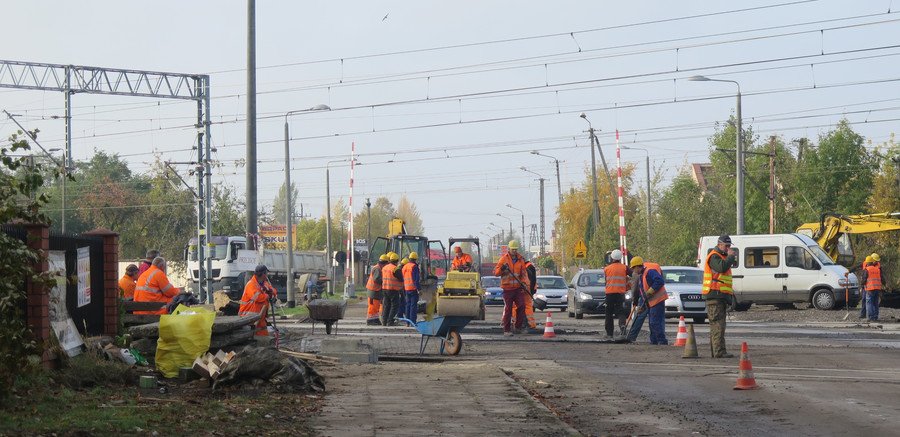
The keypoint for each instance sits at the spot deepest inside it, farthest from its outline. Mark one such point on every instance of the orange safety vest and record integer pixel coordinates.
(154, 287)
(507, 282)
(127, 284)
(658, 295)
(254, 298)
(616, 276)
(408, 283)
(873, 277)
(715, 281)
(461, 261)
(388, 281)
(373, 284)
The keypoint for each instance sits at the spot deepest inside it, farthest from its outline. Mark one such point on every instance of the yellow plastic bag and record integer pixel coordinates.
(184, 335)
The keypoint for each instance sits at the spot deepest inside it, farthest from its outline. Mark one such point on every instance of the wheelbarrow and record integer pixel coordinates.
(446, 328)
(326, 311)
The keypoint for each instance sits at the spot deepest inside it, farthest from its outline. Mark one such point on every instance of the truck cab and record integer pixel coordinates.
(224, 253)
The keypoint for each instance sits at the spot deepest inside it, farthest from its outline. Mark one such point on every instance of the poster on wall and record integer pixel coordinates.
(83, 267)
(63, 326)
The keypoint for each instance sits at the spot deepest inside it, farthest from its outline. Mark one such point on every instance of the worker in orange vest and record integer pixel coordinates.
(529, 300)
(153, 286)
(652, 291)
(515, 285)
(462, 262)
(718, 291)
(391, 286)
(616, 274)
(128, 281)
(373, 287)
(411, 286)
(874, 284)
(255, 299)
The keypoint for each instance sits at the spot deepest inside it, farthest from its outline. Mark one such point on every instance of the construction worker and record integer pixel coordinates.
(651, 288)
(128, 281)
(255, 300)
(154, 286)
(411, 286)
(462, 262)
(401, 307)
(515, 284)
(718, 292)
(616, 274)
(862, 274)
(874, 285)
(391, 286)
(373, 288)
(146, 262)
(529, 300)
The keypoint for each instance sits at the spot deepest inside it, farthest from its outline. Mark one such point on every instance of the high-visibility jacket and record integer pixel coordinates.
(389, 281)
(714, 281)
(873, 277)
(374, 283)
(154, 286)
(127, 284)
(461, 261)
(616, 277)
(411, 276)
(255, 301)
(517, 269)
(658, 284)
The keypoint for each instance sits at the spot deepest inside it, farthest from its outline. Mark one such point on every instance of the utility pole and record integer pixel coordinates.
(369, 225)
(252, 209)
(542, 216)
(772, 184)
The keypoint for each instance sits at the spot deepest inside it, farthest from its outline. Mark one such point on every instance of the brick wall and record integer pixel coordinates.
(110, 279)
(37, 314)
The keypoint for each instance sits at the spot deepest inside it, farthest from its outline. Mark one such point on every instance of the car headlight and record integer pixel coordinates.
(628, 296)
(584, 296)
(541, 297)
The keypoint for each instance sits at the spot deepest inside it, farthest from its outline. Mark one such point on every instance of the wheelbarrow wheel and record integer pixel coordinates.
(453, 344)
(328, 324)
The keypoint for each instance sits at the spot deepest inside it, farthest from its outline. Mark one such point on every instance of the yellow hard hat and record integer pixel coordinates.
(636, 261)
(876, 257)
(383, 258)
(514, 244)
(404, 261)
(413, 256)
(868, 259)
(393, 257)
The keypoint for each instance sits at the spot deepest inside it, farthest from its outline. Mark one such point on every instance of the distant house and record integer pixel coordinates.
(700, 173)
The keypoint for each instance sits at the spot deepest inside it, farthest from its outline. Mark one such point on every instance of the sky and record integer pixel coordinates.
(485, 83)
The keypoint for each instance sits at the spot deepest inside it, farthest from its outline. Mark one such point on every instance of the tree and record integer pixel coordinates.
(382, 211)
(407, 211)
(228, 211)
(279, 206)
(686, 214)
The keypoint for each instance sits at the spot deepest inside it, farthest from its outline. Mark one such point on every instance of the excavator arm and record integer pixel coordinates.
(832, 229)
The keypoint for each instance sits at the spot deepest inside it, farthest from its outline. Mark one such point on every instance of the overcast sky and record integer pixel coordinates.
(521, 73)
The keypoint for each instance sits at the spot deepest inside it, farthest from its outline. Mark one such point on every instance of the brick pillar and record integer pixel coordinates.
(37, 314)
(110, 279)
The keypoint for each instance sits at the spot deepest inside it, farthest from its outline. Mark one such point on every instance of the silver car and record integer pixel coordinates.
(684, 287)
(553, 289)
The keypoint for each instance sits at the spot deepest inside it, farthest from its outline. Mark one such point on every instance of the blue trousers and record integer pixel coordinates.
(401, 312)
(636, 324)
(658, 325)
(412, 304)
(862, 304)
(872, 301)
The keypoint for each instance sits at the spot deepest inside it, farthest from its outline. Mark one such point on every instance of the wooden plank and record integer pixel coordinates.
(222, 325)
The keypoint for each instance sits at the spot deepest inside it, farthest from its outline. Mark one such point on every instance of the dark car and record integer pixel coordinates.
(587, 293)
(493, 294)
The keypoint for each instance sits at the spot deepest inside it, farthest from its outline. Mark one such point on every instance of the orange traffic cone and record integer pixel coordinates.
(745, 381)
(548, 327)
(681, 338)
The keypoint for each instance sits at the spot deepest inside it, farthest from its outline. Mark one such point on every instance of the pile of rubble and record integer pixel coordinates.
(228, 332)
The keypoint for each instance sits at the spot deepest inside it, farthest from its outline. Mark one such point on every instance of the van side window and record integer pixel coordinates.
(760, 257)
(799, 257)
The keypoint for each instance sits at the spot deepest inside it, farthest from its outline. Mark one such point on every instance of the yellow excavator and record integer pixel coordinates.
(832, 233)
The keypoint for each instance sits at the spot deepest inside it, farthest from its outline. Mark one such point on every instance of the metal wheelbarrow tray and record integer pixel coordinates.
(326, 311)
(446, 328)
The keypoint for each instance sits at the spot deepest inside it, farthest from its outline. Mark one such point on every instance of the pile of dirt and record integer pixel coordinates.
(796, 314)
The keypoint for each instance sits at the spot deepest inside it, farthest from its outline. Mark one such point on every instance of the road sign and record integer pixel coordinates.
(580, 250)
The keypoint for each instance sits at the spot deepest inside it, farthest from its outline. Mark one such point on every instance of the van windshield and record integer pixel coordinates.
(821, 255)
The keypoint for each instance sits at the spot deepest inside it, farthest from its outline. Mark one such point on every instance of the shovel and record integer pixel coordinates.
(847, 295)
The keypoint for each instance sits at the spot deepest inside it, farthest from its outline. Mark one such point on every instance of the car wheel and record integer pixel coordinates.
(742, 306)
(579, 315)
(823, 299)
(699, 320)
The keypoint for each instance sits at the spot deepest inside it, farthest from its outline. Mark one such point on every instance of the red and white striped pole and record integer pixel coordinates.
(351, 242)
(623, 242)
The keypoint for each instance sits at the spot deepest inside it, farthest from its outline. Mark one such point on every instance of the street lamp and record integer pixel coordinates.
(562, 253)
(328, 225)
(739, 160)
(648, 187)
(291, 298)
(510, 223)
(523, 218)
(541, 179)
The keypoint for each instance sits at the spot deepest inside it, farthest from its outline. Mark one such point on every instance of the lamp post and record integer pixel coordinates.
(291, 297)
(562, 250)
(499, 229)
(510, 223)
(648, 187)
(596, 210)
(541, 179)
(739, 159)
(328, 225)
(523, 218)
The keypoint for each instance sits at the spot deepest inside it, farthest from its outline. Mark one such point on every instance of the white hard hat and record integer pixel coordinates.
(616, 255)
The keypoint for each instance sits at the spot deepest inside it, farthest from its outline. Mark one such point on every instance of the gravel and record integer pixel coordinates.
(769, 313)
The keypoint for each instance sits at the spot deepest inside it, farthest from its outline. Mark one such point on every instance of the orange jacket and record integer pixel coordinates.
(517, 268)
(659, 295)
(154, 286)
(255, 297)
(460, 261)
(389, 281)
(873, 277)
(616, 276)
(411, 276)
(127, 285)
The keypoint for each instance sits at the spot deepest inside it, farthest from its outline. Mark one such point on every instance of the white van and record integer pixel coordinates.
(782, 269)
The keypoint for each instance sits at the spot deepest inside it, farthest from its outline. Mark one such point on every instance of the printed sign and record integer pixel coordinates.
(83, 268)
(247, 260)
(63, 326)
(580, 250)
(275, 236)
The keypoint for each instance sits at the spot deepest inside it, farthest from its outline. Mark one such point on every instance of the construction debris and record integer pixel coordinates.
(255, 365)
(209, 366)
(228, 332)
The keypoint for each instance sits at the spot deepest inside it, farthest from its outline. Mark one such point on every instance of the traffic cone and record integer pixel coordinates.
(548, 328)
(690, 345)
(681, 338)
(745, 380)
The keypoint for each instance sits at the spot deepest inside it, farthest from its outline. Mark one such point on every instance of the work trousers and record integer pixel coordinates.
(637, 322)
(401, 309)
(391, 306)
(873, 298)
(529, 312)
(862, 304)
(374, 309)
(658, 324)
(615, 309)
(715, 311)
(412, 304)
(510, 298)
